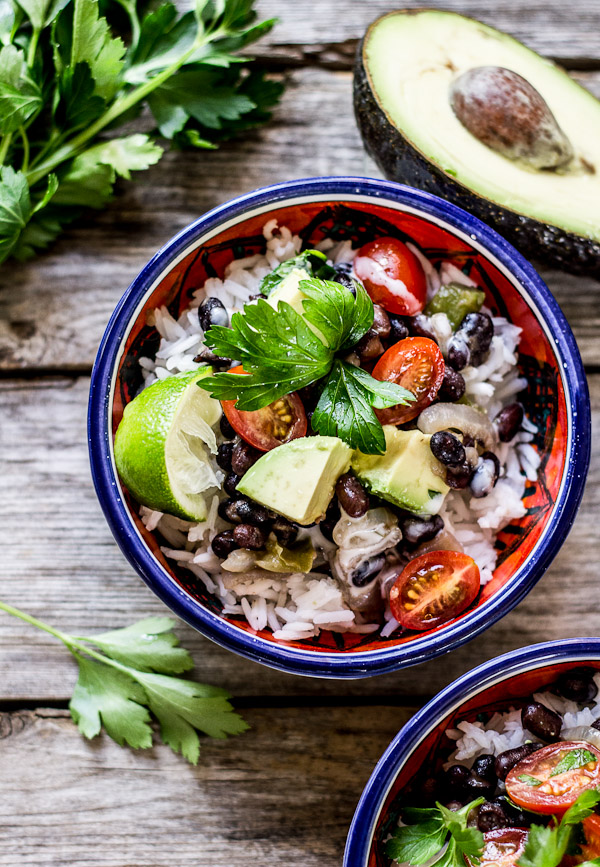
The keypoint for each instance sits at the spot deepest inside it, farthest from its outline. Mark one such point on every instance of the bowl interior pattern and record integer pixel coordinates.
(498, 697)
(361, 221)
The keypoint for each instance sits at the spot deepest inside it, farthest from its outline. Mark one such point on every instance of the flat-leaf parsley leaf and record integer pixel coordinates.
(132, 676)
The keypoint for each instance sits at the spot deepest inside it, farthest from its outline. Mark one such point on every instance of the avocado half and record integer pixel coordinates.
(406, 65)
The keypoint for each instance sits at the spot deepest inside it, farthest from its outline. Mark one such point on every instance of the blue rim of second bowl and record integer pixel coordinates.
(345, 664)
(360, 835)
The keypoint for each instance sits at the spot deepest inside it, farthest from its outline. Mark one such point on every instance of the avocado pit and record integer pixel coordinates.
(506, 113)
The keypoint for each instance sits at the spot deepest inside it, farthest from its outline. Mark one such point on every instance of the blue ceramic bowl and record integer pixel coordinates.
(357, 209)
(495, 684)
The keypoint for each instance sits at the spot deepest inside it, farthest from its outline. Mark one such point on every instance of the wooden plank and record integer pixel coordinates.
(568, 32)
(53, 310)
(61, 564)
(71, 802)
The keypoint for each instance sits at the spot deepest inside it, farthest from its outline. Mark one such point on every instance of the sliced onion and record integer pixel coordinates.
(458, 416)
(582, 733)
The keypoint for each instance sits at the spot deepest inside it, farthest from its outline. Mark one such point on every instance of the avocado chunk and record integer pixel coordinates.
(297, 478)
(407, 474)
(289, 290)
(455, 300)
(412, 68)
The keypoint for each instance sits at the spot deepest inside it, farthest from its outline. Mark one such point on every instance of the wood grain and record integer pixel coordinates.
(568, 32)
(53, 310)
(253, 799)
(61, 564)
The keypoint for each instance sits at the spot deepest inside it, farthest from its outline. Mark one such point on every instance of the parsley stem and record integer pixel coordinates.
(33, 43)
(4, 146)
(39, 624)
(119, 107)
(25, 140)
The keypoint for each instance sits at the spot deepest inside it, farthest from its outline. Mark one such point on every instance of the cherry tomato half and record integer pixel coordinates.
(537, 782)
(415, 363)
(275, 424)
(502, 848)
(591, 829)
(434, 588)
(392, 275)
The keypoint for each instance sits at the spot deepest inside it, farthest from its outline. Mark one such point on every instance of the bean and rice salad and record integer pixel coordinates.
(478, 435)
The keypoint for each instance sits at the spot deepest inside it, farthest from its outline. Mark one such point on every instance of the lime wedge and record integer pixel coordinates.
(164, 442)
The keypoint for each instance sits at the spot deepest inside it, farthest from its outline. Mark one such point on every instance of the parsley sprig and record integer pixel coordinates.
(436, 827)
(67, 76)
(546, 846)
(432, 829)
(127, 675)
(280, 353)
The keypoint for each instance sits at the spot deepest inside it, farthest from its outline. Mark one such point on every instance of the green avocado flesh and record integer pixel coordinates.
(407, 474)
(297, 478)
(410, 60)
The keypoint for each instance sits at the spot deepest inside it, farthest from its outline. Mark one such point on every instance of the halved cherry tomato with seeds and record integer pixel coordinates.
(392, 275)
(433, 588)
(502, 848)
(275, 424)
(415, 363)
(551, 779)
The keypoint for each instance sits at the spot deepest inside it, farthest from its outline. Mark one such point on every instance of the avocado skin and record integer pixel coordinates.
(400, 161)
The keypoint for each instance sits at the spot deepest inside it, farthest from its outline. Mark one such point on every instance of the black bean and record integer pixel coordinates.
(224, 453)
(369, 346)
(368, 570)
(517, 818)
(416, 530)
(351, 495)
(248, 536)
(453, 386)
(398, 328)
(455, 779)
(212, 312)
(508, 421)
(506, 761)
(447, 448)
(460, 476)
(491, 816)
(226, 429)
(381, 321)
(285, 531)
(228, 511)
(230, 484)
(252, 513)
(486, 475)
(458, 354)
(541, 721)
(578, 684)
(420, 326)
(478, 329)
(224, 543)
(468, 441)
(342, 276)
(596, 725)
(243, 457)
(475, 787)
(454, 805)
(332, 516)
(208, 357)
(484, 767)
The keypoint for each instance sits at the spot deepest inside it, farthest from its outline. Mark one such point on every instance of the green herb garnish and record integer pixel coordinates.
(126, 674)
(437, 826)
(281, 353)
(312, 261)
(546, 846)
(66, 76)
(572, 760)
(529, 780)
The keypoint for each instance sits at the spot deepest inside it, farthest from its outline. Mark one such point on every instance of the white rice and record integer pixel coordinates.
(504, 730)
(299, 606)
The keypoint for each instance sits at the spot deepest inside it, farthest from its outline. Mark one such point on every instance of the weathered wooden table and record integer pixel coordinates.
(284, 793)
